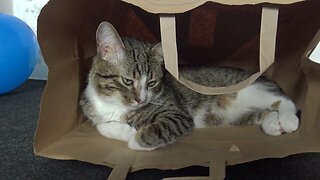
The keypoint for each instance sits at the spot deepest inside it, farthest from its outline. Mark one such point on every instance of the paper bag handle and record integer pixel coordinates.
(217, 168)
(124, 159)
(268, 31)
(120, 170)
(217, 171)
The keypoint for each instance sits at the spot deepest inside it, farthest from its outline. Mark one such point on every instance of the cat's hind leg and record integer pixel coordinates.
(266, 95)
(271, 124)
(287, 115)
(282, 119)
(267, 118)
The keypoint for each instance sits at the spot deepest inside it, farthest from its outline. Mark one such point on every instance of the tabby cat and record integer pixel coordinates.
(131, 97)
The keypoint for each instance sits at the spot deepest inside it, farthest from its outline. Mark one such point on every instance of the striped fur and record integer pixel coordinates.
(128, 77)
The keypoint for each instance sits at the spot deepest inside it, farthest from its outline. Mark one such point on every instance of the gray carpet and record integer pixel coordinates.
(18, 118)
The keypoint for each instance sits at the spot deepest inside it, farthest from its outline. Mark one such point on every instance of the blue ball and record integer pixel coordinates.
(19, 52)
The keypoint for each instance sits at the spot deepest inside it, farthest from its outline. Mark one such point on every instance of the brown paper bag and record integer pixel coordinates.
(250, 35)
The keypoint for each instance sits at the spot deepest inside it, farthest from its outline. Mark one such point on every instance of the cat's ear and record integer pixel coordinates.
(157, 52)
(109, 43)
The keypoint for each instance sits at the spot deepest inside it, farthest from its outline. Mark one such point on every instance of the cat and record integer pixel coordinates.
(130, 97)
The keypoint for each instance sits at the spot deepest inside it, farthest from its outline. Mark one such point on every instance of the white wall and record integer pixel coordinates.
(6, 6)
(28, 11)
(315, 55)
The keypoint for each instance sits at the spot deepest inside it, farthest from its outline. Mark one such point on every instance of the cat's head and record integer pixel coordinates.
(126, 70)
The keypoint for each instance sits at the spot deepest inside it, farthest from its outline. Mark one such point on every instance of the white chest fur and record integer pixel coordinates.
(109, 108)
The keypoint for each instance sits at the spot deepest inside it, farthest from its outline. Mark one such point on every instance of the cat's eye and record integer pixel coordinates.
(152, 83)
(127, 82)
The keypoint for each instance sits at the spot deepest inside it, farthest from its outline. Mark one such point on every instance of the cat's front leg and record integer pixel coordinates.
(166, 130)
(116, 130)
(134, 144)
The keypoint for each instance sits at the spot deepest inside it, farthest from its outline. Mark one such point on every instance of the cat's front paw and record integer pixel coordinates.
(116, 130)
(289, 122)
(134, 144)
(271, 124)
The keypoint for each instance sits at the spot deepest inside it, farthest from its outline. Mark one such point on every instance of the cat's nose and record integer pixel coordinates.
(138, 100)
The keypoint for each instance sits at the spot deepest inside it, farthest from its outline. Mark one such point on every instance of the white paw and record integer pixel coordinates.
(271, 124)
(133, 144)
(116, 130)
(289, 122)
